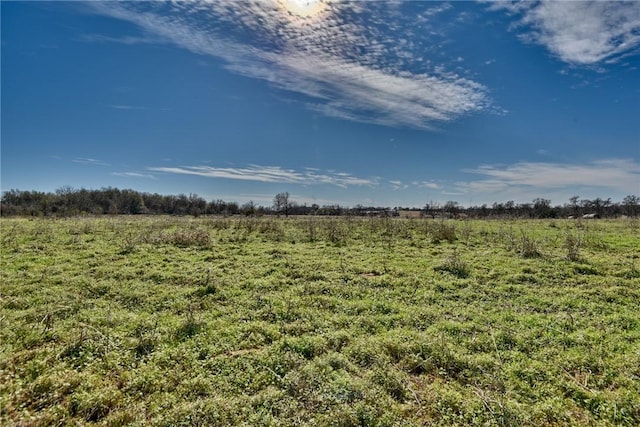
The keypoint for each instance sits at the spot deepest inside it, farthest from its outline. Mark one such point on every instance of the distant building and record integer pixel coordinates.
(410, 213)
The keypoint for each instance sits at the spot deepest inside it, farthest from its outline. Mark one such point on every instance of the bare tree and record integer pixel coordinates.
(631, 204)
(431, 209)
(452, 208)
(574, 205)
(281, 203)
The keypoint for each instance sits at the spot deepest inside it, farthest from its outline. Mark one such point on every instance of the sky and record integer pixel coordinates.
(378, 103)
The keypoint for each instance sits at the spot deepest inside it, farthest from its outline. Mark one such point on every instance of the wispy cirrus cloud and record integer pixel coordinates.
(129, 40)
(618, 175)
(350, 61)
(90, 161)
(428, 184)
(272, 174)
(579, 32)
(525, 181)
(127, 107)
(398, 185)
(134, 175)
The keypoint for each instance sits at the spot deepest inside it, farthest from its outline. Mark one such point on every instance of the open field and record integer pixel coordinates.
(319, 321)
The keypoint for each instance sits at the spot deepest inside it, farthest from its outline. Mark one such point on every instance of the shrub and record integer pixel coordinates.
(336, 231)
(189, 327)
(573, 243)
(146, 339)
(455, 265)
(197, 237)
(441, 230)
(527, 246)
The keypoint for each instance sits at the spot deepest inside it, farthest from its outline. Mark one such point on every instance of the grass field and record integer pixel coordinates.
(319, 321)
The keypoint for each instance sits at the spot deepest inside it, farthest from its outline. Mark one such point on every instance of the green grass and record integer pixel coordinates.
(319, 321)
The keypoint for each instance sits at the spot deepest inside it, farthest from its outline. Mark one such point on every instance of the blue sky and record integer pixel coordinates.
(388, 103)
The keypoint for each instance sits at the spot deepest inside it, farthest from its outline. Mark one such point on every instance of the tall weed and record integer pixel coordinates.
(572, 244)
(524, 245)
(455, 265)
(442, 231)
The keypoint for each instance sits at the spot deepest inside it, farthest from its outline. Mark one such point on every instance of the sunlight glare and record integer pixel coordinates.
(304, 8)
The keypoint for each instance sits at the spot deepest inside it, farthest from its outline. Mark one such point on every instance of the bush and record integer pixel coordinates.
(455, 265)
(197, 237)
(441, 230)
(573, 243)
(527, 246)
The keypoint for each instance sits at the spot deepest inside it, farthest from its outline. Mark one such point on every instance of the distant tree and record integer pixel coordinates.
(153, 203)
(525, 210)
(631, 205)
(197, 205)
(451, 207)
(498, 209)
(180, 205)
(65, 190)
(542, 208)
(574, 206)
(606, 206)
(295, 208)
(599, 206)
(431, 209)
(231, 208)
(281, 203)
(248, 209)
(216, 207)
(334, 210)
(510, 207)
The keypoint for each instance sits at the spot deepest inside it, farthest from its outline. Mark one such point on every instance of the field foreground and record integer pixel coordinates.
(319, 321)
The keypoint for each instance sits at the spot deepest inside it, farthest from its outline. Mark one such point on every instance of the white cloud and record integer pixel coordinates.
(321, 58)
(99, 38)
(127, 107)
(580, 32)
(435, 10)
(398, 185)
(616, 175)
(274, 174)
(134, 175)
(90, 161)
(429, 184)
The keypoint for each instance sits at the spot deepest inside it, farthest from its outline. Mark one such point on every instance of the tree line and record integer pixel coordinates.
(68, 201)
(542, 208)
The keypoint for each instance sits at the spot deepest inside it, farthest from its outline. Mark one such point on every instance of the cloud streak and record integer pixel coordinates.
(352, 61)
(127, 107)
(580, 32)
(428, 184)
(90, 161)
(621, 175)
(271, 174)
(398, 185)
(134, 175)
